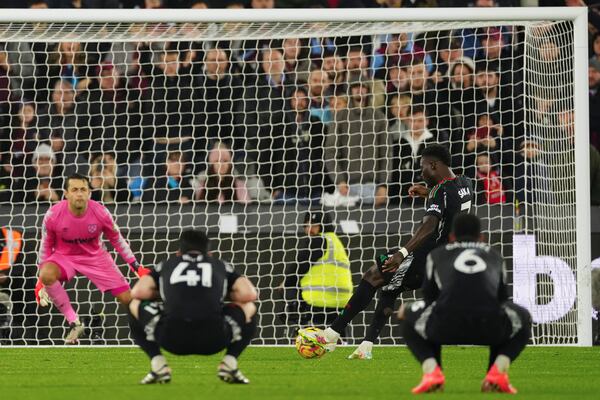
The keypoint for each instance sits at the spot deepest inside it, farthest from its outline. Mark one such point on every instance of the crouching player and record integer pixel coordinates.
(465, 303)
(179, 307)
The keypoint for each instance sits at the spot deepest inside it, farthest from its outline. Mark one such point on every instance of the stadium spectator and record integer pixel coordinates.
(407, 153)
(595, 48)
(23, 136)
(262, 4)
(172, 184)
(358, 155)
(199, 4)
(167, 111)
(594, 98)
(399, 108)
(489, 186)
(218, 103)
(461, 94)
(422, 90)
(9, 185)
(319, 89)
(485, 137)
(297, 63)
(357, 69)
(43, 182)
(85, 3)
(397, 78)
(62, 121)
(447, 52)
(333, 65)
(69, 62)
(306, 177)
(221, 183)
(38, 4)
(106, 186)
(4, 81)
(489, 100)
(265, 106)
(102, 112)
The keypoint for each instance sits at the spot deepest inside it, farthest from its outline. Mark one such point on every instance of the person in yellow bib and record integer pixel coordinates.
(320, 282)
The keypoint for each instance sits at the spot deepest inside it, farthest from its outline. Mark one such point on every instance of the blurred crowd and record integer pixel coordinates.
(336, 121)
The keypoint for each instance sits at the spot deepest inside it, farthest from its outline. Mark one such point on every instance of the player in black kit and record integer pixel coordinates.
(465, 302)
(179, 307)
(403, 270)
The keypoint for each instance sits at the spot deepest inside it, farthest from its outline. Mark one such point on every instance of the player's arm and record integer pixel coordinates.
(243, 291)
(424, 231)
(146, 288)
(112, 233)
(48, 238)
(436, 207)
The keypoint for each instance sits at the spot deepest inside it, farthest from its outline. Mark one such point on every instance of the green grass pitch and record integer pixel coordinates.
(279, 373)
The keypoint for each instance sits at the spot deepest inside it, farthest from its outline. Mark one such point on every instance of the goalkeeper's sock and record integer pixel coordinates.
(502, 363)
(60, 298)
(152, 349)
(357, 303)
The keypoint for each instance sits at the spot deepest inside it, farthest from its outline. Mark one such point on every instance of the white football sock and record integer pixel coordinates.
(365, 346)
(429, 365)
(230, 362)
(502, 363)
(331, 335)
(158, 363)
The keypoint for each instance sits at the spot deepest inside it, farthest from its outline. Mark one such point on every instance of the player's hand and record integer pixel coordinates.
(143, 271)
(418, 191)
(41, 297)
(392, 263)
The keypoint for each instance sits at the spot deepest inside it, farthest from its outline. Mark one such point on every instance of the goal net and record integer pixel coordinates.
(238, 123)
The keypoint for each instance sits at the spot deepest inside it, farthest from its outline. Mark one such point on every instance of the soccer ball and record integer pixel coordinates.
(311, 342)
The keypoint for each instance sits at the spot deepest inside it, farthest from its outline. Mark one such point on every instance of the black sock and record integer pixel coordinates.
(152, 349)
(383, 311)
(358, 302)
(248, 330)
(514, 345)
(419, 347)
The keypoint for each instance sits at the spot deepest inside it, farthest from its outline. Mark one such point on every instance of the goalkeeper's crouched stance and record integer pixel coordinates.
(179, 307)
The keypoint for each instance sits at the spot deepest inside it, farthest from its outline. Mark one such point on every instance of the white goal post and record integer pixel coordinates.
(545, 236)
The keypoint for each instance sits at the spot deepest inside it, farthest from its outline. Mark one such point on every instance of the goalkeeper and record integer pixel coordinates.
(71, 244)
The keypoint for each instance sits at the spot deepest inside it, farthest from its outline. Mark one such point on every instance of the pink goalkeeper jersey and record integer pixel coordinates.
(65, 234)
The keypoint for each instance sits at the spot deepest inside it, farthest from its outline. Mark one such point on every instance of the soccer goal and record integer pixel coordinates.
(237, 122)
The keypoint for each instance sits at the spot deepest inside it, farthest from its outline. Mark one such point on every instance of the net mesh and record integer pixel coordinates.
(239, 128)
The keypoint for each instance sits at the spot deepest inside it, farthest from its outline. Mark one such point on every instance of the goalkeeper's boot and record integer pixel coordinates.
(332, 338)
(77, 329)
(432, 382)
(163, 375)
(363, 352)
(229, 375)
(496, 381)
